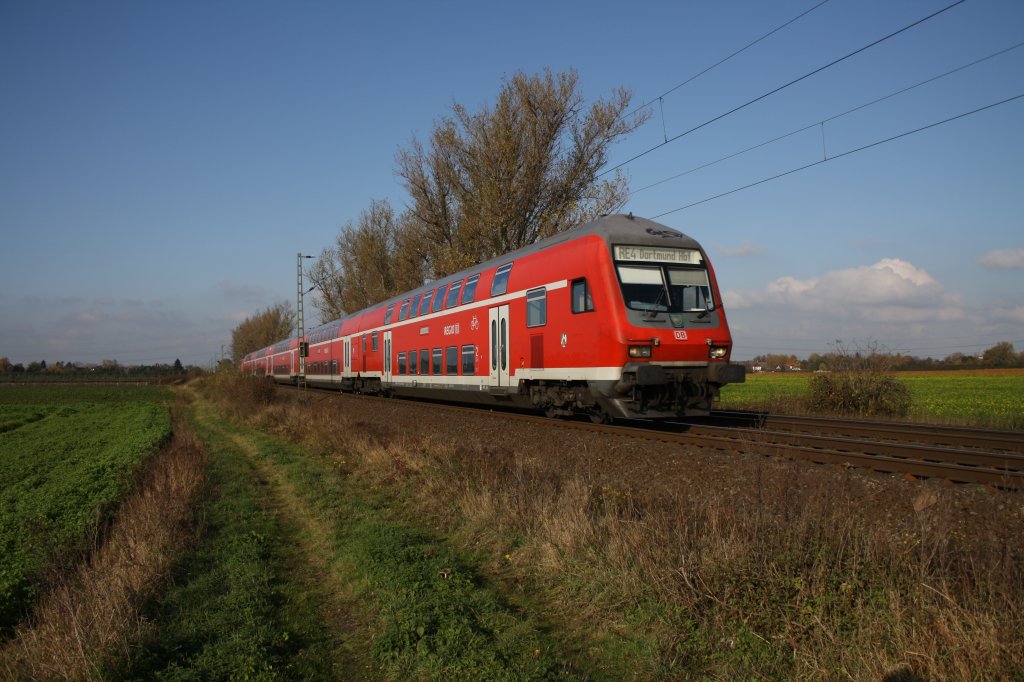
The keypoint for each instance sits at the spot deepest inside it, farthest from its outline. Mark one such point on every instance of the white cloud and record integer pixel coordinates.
(1003, 259)
(894, 302)
(890, 290)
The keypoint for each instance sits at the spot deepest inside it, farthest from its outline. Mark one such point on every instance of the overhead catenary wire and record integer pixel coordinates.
(784, 86)
(839, 156)
(829, 119)
(725, 59)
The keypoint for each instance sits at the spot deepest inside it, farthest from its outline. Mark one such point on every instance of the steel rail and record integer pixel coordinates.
(937, 434)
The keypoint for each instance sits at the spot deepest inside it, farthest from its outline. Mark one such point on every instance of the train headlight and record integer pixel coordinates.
(718, 352)
(639, 351)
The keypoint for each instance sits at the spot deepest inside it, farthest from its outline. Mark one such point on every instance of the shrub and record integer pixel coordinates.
(242, 394)
(860, 394)
(861, 384)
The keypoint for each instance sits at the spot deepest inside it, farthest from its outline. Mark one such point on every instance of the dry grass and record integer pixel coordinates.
(89, 620)
(776, 570)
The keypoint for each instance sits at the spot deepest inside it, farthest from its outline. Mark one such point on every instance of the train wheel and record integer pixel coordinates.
(600, 418)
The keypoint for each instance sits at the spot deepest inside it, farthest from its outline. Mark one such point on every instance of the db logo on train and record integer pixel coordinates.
(680, 334)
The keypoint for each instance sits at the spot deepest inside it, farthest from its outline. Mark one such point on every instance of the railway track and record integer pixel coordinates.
(960, 455)
(929, 434)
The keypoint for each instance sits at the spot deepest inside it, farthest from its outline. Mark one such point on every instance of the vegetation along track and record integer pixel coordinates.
(961, 455)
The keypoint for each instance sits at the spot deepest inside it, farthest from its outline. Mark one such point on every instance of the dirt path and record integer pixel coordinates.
(310, 561)
(324, 584)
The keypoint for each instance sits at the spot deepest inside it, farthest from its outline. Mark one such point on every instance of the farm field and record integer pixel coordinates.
(67, 456)
(983, 398)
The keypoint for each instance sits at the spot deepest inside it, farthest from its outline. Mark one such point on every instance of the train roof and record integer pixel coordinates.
(617, 228)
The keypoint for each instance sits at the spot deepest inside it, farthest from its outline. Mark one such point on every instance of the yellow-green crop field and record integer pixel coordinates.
(984, 398)
(67, 456)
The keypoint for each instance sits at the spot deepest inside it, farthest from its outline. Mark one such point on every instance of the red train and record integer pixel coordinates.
(618, 318)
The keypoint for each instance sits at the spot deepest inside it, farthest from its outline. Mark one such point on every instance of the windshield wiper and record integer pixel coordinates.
(654, 309)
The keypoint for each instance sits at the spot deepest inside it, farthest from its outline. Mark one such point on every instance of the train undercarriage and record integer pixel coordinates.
(644, 391)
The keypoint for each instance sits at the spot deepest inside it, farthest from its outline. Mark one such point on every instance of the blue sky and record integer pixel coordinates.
(162, 163)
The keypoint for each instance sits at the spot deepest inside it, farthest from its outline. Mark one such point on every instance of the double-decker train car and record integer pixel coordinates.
(618, 318)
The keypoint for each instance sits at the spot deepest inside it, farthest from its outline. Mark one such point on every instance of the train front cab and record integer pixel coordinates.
(674, 332)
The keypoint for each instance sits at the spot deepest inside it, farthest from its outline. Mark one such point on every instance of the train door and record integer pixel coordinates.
(347, 359)
(387, 357)
(498, 339)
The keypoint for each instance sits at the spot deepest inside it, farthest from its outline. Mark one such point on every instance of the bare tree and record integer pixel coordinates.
(373, 259)
(526, 168)
(275, 323)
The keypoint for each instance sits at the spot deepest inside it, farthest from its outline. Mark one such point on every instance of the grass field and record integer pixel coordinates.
(351, 538)
(984, 398)
(67, 456)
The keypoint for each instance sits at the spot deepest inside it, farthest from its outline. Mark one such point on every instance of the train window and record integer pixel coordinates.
(494, 345)
(643, 288)
(436, 356)
(404, 312)
(451, 360)
(468, 357)
(401, 363)
(387, 315)
(413, 361)
(415, 306)
(373, 342)
(470, 289)
(536, 307)
(581, 299)
(500, 284)
(453, 294)
(689, 289)
(424, 361)
(439, 297)
(425, 306)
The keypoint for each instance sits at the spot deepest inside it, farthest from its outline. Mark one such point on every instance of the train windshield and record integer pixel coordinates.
(666, 288)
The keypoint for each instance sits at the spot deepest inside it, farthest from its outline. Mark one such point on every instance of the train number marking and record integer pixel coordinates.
(451, 329)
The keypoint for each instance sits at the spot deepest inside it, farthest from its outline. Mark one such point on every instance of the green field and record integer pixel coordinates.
(67, 456)
(976, 397)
